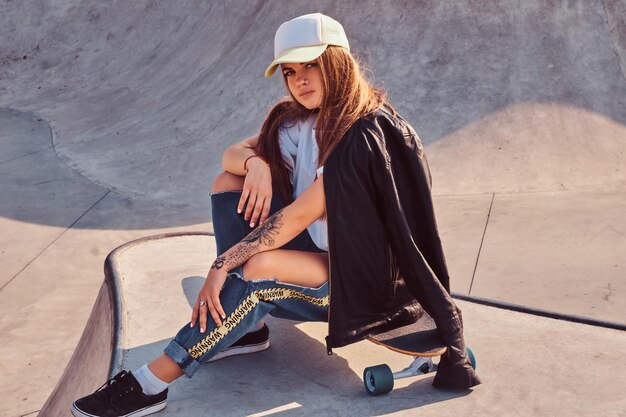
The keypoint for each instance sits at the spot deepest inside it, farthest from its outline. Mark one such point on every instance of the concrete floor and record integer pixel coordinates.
(113, 117)
(548, 365)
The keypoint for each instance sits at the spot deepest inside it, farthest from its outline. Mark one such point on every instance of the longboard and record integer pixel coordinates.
(420, 340)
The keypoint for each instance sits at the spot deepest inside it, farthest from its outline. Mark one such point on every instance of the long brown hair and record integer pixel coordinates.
(347, 97)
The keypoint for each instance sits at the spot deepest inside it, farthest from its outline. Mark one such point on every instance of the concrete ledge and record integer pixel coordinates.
(90, 364)
(117, 276)
(96, 356)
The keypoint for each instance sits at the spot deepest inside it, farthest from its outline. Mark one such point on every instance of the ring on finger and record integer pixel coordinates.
(202, 303)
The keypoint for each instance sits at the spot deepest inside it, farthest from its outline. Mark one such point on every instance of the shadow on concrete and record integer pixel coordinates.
(294, 372)
(37, 187)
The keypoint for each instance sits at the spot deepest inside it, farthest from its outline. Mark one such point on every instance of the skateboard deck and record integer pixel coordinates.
(420, 340)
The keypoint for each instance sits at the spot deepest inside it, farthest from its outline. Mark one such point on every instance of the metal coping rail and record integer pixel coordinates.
(539, 312)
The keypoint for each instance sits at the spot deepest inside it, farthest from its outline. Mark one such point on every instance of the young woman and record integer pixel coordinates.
(340, 186)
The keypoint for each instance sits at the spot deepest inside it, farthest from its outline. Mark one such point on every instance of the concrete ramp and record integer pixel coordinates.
(530, 365)
(90, 361)
(143, 97)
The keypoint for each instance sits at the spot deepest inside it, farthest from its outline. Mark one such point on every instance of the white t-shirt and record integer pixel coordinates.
(299, 149)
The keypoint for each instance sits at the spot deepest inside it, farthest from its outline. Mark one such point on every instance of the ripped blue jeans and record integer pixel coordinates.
(245, 302)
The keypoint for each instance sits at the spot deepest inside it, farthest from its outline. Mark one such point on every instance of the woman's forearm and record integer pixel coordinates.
(278, 229)
(234, 157)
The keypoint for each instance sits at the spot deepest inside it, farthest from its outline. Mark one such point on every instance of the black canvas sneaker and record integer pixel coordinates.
(249, 343)
(119, 397)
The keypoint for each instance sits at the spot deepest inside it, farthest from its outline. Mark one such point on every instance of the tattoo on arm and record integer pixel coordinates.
(242, 251)
(219, 262)
(265, 233)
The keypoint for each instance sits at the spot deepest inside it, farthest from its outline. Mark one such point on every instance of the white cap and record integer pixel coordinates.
(305, 38)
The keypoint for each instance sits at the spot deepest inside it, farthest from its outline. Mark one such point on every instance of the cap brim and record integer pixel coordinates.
(296, 55)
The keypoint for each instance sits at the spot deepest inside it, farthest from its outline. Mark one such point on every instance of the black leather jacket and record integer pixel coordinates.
(386, 258)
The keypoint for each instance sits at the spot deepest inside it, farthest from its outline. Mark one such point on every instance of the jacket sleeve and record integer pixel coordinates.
(402, 181)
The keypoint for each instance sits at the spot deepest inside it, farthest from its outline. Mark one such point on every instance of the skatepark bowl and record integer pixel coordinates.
(113, 119)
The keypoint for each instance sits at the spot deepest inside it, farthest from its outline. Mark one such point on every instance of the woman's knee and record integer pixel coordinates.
(256, 267)
(226, 181)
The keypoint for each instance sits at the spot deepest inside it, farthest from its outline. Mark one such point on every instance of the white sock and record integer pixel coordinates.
(150, 383)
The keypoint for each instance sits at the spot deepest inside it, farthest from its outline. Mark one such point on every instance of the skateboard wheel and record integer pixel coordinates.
(378, 379)
(472, 358)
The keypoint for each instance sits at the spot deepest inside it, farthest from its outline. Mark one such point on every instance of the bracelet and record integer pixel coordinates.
(253, 156)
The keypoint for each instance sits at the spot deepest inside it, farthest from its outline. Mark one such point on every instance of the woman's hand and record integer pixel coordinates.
(257, 190)
(209, 300)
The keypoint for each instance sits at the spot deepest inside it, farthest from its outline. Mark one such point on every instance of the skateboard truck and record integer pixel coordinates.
(418, 367)
(420, 340)
(379, 379)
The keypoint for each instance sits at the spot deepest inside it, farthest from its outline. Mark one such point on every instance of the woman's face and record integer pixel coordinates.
(305, 83)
